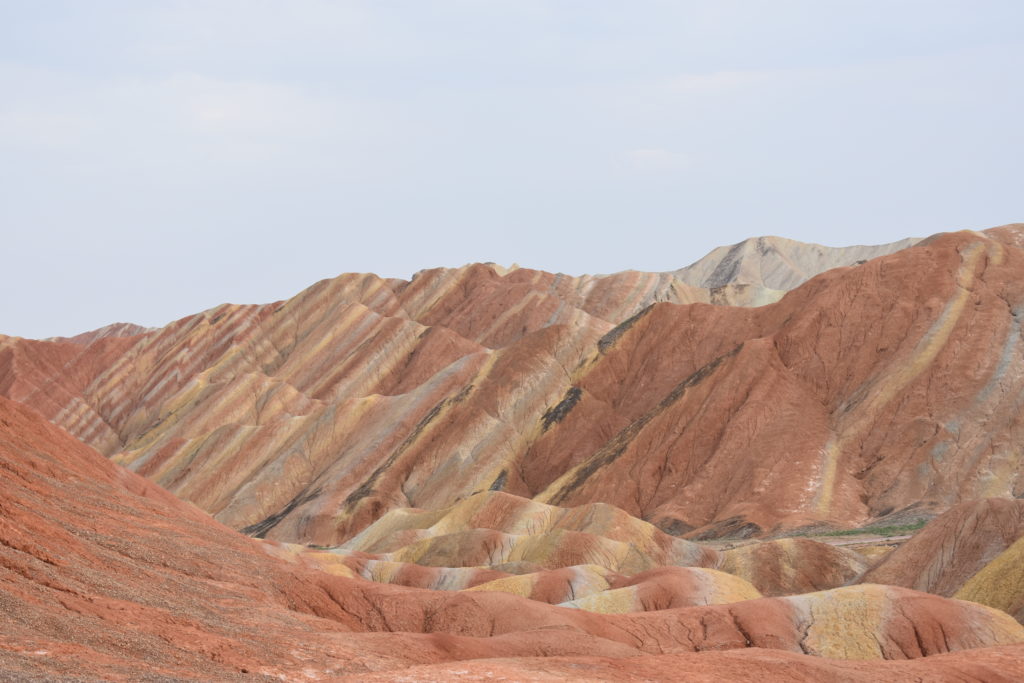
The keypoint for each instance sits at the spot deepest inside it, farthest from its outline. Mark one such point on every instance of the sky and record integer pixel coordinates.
(158, 158)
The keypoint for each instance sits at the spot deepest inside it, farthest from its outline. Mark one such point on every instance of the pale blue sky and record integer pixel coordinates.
(158, 158)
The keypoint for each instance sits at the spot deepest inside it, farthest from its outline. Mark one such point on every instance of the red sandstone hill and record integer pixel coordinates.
(106, 576)
(953, 547)
(882, 388)
(975, 551)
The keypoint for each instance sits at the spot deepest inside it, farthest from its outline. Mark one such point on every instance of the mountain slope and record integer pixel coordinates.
(953, 547)
(777, 263)
(106, 577)
(309, 419)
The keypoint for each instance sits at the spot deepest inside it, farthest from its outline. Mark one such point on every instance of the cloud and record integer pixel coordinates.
(720, 81)
(36, 110)
(186, 121)
(655, 160)
(236, 108)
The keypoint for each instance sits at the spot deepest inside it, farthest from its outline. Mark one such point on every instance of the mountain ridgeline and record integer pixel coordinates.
(884, 388)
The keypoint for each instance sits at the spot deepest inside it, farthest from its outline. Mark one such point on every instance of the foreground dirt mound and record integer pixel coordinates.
(554, 586)
(1000, 583)
(666, 588)
(106, 576)
(793, 565)
(994, 665)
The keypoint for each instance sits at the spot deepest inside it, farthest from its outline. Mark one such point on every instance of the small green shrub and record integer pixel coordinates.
(899, 530)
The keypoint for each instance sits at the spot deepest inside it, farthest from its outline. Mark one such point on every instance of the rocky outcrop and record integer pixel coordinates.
(777, 263)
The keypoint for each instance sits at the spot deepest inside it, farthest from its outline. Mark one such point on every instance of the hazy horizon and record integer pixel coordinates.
(162, 158)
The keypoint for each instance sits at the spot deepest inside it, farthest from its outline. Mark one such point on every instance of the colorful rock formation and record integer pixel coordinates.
(975, 551)
(106, 576)
(494, 528)
(777, 263)
(953, 547)
(793, 565)
(513, 473)
(1000, 583)
(666, 588)
(307, 420)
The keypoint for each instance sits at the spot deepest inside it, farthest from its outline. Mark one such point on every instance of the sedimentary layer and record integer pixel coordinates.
(307, 420)
(107, 576)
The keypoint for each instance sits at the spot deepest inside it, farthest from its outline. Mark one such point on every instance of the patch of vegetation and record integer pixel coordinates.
(897, 530)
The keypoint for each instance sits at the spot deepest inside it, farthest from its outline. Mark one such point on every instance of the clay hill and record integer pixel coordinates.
(562, 554)
(509, 474)
(884, 390)
(106, 576)
(975, 551)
